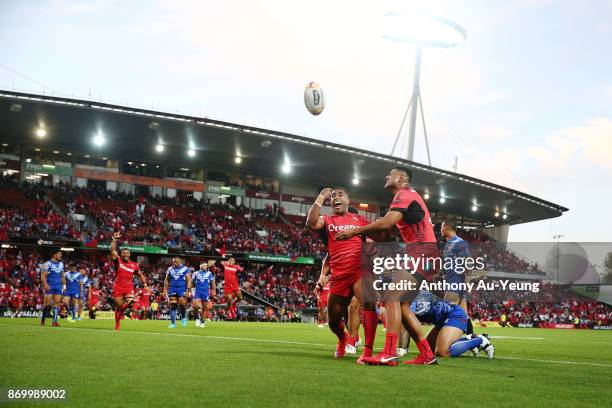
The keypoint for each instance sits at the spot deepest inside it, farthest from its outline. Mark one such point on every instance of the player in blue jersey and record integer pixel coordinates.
(74, 289)
(52, 278)
(176, 288)
(205, 288)
(85, 285)
(450, 323)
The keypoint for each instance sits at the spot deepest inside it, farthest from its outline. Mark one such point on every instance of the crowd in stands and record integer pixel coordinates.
(552, 304)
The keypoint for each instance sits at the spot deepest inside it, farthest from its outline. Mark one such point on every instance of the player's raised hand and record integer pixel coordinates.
(326, 193)
(346, 234)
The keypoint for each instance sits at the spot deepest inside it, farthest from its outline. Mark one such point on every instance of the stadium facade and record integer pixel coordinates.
(136, 150)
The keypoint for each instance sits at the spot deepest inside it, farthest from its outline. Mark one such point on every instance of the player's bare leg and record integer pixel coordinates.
(337, 312)
(197, 307)
(354, 319)
(119, 308)
(230, 311)
(182, 306)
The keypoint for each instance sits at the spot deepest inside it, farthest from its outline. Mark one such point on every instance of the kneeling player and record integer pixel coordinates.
(450, 323)
(345, 262)
(204, 282)
(123, 288)
(176, 288)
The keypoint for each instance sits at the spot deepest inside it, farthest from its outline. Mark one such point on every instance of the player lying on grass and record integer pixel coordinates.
(177, 286)
(205, 288)
(123, 288)
(345, 262)
(74, 288)
(52, 278)
(450, 324)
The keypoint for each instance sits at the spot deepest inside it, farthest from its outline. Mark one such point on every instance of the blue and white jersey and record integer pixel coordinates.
(86, 284)
(454, 249)
(431, 309)
(177, 276)
(202, 280)
(55, 271)
(73, 281)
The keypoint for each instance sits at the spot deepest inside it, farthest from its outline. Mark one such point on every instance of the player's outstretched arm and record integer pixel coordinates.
(390, 219)
(213, 290)
(314, 220)
(142, 278)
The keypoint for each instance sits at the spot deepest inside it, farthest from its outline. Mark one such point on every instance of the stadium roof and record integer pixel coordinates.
(132, 134)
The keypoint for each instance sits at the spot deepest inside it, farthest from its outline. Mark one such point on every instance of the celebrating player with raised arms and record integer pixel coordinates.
(410, 214)
(176, 288)
(74, 289)
(450, 323)
(204, 282)
(231, 286)
(52, 278)
(123, 288)
(345, 261)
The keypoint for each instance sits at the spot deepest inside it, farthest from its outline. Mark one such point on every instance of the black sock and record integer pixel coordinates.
(470, 327)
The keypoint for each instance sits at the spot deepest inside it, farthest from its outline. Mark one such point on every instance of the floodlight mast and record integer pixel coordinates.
(416, 101)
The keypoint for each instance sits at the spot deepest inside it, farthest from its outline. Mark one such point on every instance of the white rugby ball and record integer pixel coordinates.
(313, 98)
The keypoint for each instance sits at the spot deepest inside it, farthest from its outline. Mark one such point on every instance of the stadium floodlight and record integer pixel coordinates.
(159, 148)
(238, 160)
(99, 140)
(504, 216)
(423, 31)
(191, 153)
(474, 208)
(496, 214)
(442, 200)
(56, 152)
(41, 132)
(426, 196)
(355, 181)
(286, 169)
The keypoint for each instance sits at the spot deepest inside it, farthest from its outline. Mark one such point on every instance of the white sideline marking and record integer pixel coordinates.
(566, 362)
(517, 338)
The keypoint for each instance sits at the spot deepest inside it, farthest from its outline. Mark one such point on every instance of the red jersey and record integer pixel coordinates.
(325, 290)
(415, 226)
(344, 256)
(125, 272)
(145, 296)
(95, 296)
(229, 272)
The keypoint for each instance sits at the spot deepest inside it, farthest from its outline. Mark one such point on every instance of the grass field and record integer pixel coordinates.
(261, 364)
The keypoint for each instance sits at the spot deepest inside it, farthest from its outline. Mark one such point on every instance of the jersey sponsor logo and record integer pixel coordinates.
(338, 228)
(125, 268)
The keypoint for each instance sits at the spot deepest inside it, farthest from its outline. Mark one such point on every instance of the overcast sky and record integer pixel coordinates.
(526, 102)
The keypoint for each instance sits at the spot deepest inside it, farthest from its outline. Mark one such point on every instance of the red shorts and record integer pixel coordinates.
(425, 250)
(322, 303)
(230, 288)
(123, 290)
(341, 284)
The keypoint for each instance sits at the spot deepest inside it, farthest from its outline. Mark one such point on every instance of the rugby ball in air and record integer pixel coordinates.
(313, 98)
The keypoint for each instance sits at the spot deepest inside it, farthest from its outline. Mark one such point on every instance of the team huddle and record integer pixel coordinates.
(345, 289)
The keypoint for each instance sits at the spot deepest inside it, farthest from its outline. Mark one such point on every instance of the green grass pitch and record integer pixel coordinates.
(267, 364)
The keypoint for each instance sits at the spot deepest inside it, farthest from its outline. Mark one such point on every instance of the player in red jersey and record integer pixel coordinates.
(410, 214)
(231, 286)
(145, 302)
(322, 292)
(345, 261)
(123, 289)
(93, 298)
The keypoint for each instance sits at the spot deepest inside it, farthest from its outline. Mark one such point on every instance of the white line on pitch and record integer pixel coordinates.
(517, 337)
(314, 344)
